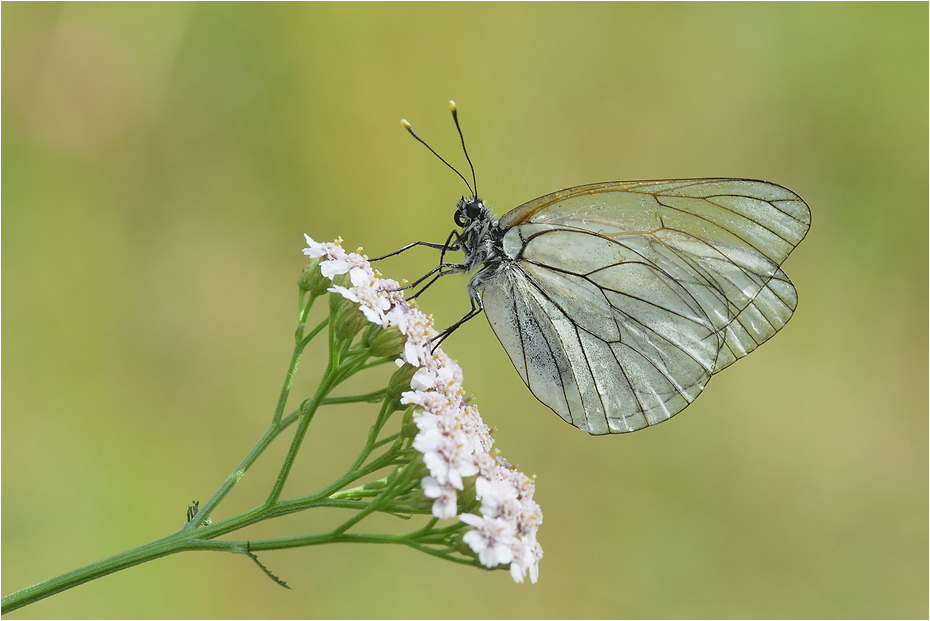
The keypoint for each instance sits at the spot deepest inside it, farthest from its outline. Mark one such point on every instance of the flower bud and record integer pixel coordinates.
(348, 318)
(369, 334)
(399, 384)
(312, 280)
(342, 280)
(387, 343)
(400, 381)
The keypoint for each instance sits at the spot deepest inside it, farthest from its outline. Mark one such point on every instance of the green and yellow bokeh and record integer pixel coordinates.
(161, 163)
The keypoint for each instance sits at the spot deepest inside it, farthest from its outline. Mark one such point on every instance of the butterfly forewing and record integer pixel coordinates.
(622, 299)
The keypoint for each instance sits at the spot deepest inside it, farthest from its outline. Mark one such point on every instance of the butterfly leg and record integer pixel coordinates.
(449, 244)
(476, 309)
(453, 242)
(450, 268)
(433, 245)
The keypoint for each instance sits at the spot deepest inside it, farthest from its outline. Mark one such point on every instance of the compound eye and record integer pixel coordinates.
(473, 209)
(459, 220)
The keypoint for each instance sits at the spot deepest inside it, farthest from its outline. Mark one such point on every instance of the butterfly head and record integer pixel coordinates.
(469, 210)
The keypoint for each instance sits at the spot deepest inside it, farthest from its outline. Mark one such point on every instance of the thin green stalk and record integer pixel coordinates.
(148, 552)
(299, 346)
(307, 410)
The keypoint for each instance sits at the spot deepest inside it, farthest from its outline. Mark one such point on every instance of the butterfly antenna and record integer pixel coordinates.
(423, 142)
(455, 117)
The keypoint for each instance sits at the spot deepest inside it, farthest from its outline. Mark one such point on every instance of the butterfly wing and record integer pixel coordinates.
(622, 299)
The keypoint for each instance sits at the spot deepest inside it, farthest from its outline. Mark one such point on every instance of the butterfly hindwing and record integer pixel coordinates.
(603, 346)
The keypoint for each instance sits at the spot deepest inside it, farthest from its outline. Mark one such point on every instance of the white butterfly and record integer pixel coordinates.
(617, 301)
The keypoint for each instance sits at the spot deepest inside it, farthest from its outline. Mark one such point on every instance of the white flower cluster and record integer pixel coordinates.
(454, 441)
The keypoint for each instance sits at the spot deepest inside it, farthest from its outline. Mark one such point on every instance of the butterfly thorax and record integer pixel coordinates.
(480, 240)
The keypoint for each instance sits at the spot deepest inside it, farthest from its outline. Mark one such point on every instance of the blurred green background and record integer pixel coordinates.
(162, 161)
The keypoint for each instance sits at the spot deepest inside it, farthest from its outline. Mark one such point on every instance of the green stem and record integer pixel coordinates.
(201, 539)
(299, 345)
(151, 551)
(307, 409)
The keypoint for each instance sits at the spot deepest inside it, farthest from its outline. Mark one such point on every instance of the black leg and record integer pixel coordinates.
(476, 309)
(435, 246)
(452, 267)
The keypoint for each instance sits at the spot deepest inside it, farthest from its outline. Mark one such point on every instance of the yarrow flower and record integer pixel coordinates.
(437, 460)
(455, 443)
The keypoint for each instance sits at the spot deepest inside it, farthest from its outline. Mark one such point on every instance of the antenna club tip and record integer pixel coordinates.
(405, 123)
(451, 105)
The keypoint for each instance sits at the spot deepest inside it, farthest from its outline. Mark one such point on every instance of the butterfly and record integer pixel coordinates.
(617, 301)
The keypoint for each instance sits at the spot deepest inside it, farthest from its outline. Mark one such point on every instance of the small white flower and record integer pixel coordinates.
(490, 539)
(397, 315)
(334, 267)
(423, 379)
(316, 249)
(498, 498)
(348, 294)
(526, 559)
(419, 332)
(445, 505)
